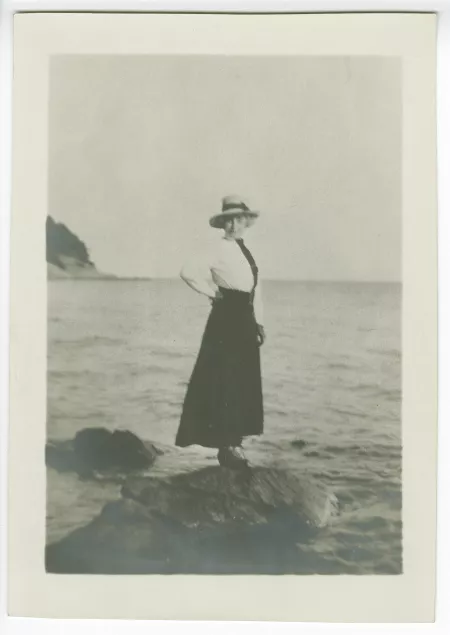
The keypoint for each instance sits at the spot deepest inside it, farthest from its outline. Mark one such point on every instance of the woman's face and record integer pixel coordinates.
(235, 226)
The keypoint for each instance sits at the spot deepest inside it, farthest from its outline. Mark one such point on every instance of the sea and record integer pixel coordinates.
(120, 353)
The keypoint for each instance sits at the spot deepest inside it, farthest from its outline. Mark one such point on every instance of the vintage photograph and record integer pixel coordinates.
(223, 343)
(223, 244)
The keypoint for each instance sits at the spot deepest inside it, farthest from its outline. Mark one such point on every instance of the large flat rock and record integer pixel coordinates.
(213, 520)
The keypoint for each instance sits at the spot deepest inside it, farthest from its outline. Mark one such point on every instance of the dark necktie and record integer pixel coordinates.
(250, 259)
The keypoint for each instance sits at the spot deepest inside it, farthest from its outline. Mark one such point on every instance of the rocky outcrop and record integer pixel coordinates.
(96, 450)
(214, 520)
(67, 255)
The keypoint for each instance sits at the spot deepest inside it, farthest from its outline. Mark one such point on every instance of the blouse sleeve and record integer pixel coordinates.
(196, 273)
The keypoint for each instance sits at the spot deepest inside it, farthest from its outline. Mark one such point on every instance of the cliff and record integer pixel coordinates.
(67, 255)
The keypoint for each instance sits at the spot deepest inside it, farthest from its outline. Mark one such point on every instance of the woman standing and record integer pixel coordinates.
(223, 402)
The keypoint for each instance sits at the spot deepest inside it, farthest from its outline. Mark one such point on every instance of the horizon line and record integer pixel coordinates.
(304, 280)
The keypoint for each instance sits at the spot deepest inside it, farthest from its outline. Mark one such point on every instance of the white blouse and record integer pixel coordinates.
(223, 265)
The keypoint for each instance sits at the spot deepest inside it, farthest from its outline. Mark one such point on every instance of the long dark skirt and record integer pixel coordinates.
(223, 401)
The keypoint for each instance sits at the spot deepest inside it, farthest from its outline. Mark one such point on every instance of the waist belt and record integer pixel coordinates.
(235, 295)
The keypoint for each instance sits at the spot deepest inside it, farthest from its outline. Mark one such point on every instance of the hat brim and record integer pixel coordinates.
(218, 220)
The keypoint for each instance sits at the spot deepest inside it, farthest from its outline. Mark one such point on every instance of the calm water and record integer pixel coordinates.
(120, 355)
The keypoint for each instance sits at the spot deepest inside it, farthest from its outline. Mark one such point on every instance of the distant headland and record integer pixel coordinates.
(68, 256)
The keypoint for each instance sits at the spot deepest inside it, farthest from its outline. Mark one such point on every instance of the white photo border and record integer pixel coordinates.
(444, 101)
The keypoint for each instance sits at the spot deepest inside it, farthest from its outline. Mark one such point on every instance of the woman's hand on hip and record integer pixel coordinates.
(218, 296)
(260, 334)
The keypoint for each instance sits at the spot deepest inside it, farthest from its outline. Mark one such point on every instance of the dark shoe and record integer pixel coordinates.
(232, 457)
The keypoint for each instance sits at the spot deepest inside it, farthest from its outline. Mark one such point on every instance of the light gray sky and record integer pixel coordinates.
(143, 148)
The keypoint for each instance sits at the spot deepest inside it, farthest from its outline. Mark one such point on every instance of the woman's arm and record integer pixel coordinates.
(259, 316)
(197, 275)
(258, 305)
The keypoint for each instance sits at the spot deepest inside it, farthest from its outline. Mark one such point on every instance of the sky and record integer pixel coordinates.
(143, 148)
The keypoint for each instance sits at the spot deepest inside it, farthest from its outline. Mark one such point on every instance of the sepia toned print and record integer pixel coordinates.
(194, 194)
(172, 450)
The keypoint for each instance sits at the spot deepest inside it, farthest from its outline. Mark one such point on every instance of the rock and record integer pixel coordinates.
(299, 443)
(100, 450)
(125, 538)
(60, 456)
(212, 521)
(216, 495)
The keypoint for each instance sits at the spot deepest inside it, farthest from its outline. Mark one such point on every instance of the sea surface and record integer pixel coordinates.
(120, 353)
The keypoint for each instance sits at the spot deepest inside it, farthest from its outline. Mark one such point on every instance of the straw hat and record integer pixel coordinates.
(231, 206)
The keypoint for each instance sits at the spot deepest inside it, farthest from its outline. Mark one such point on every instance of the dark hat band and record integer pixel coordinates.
(241, 206)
